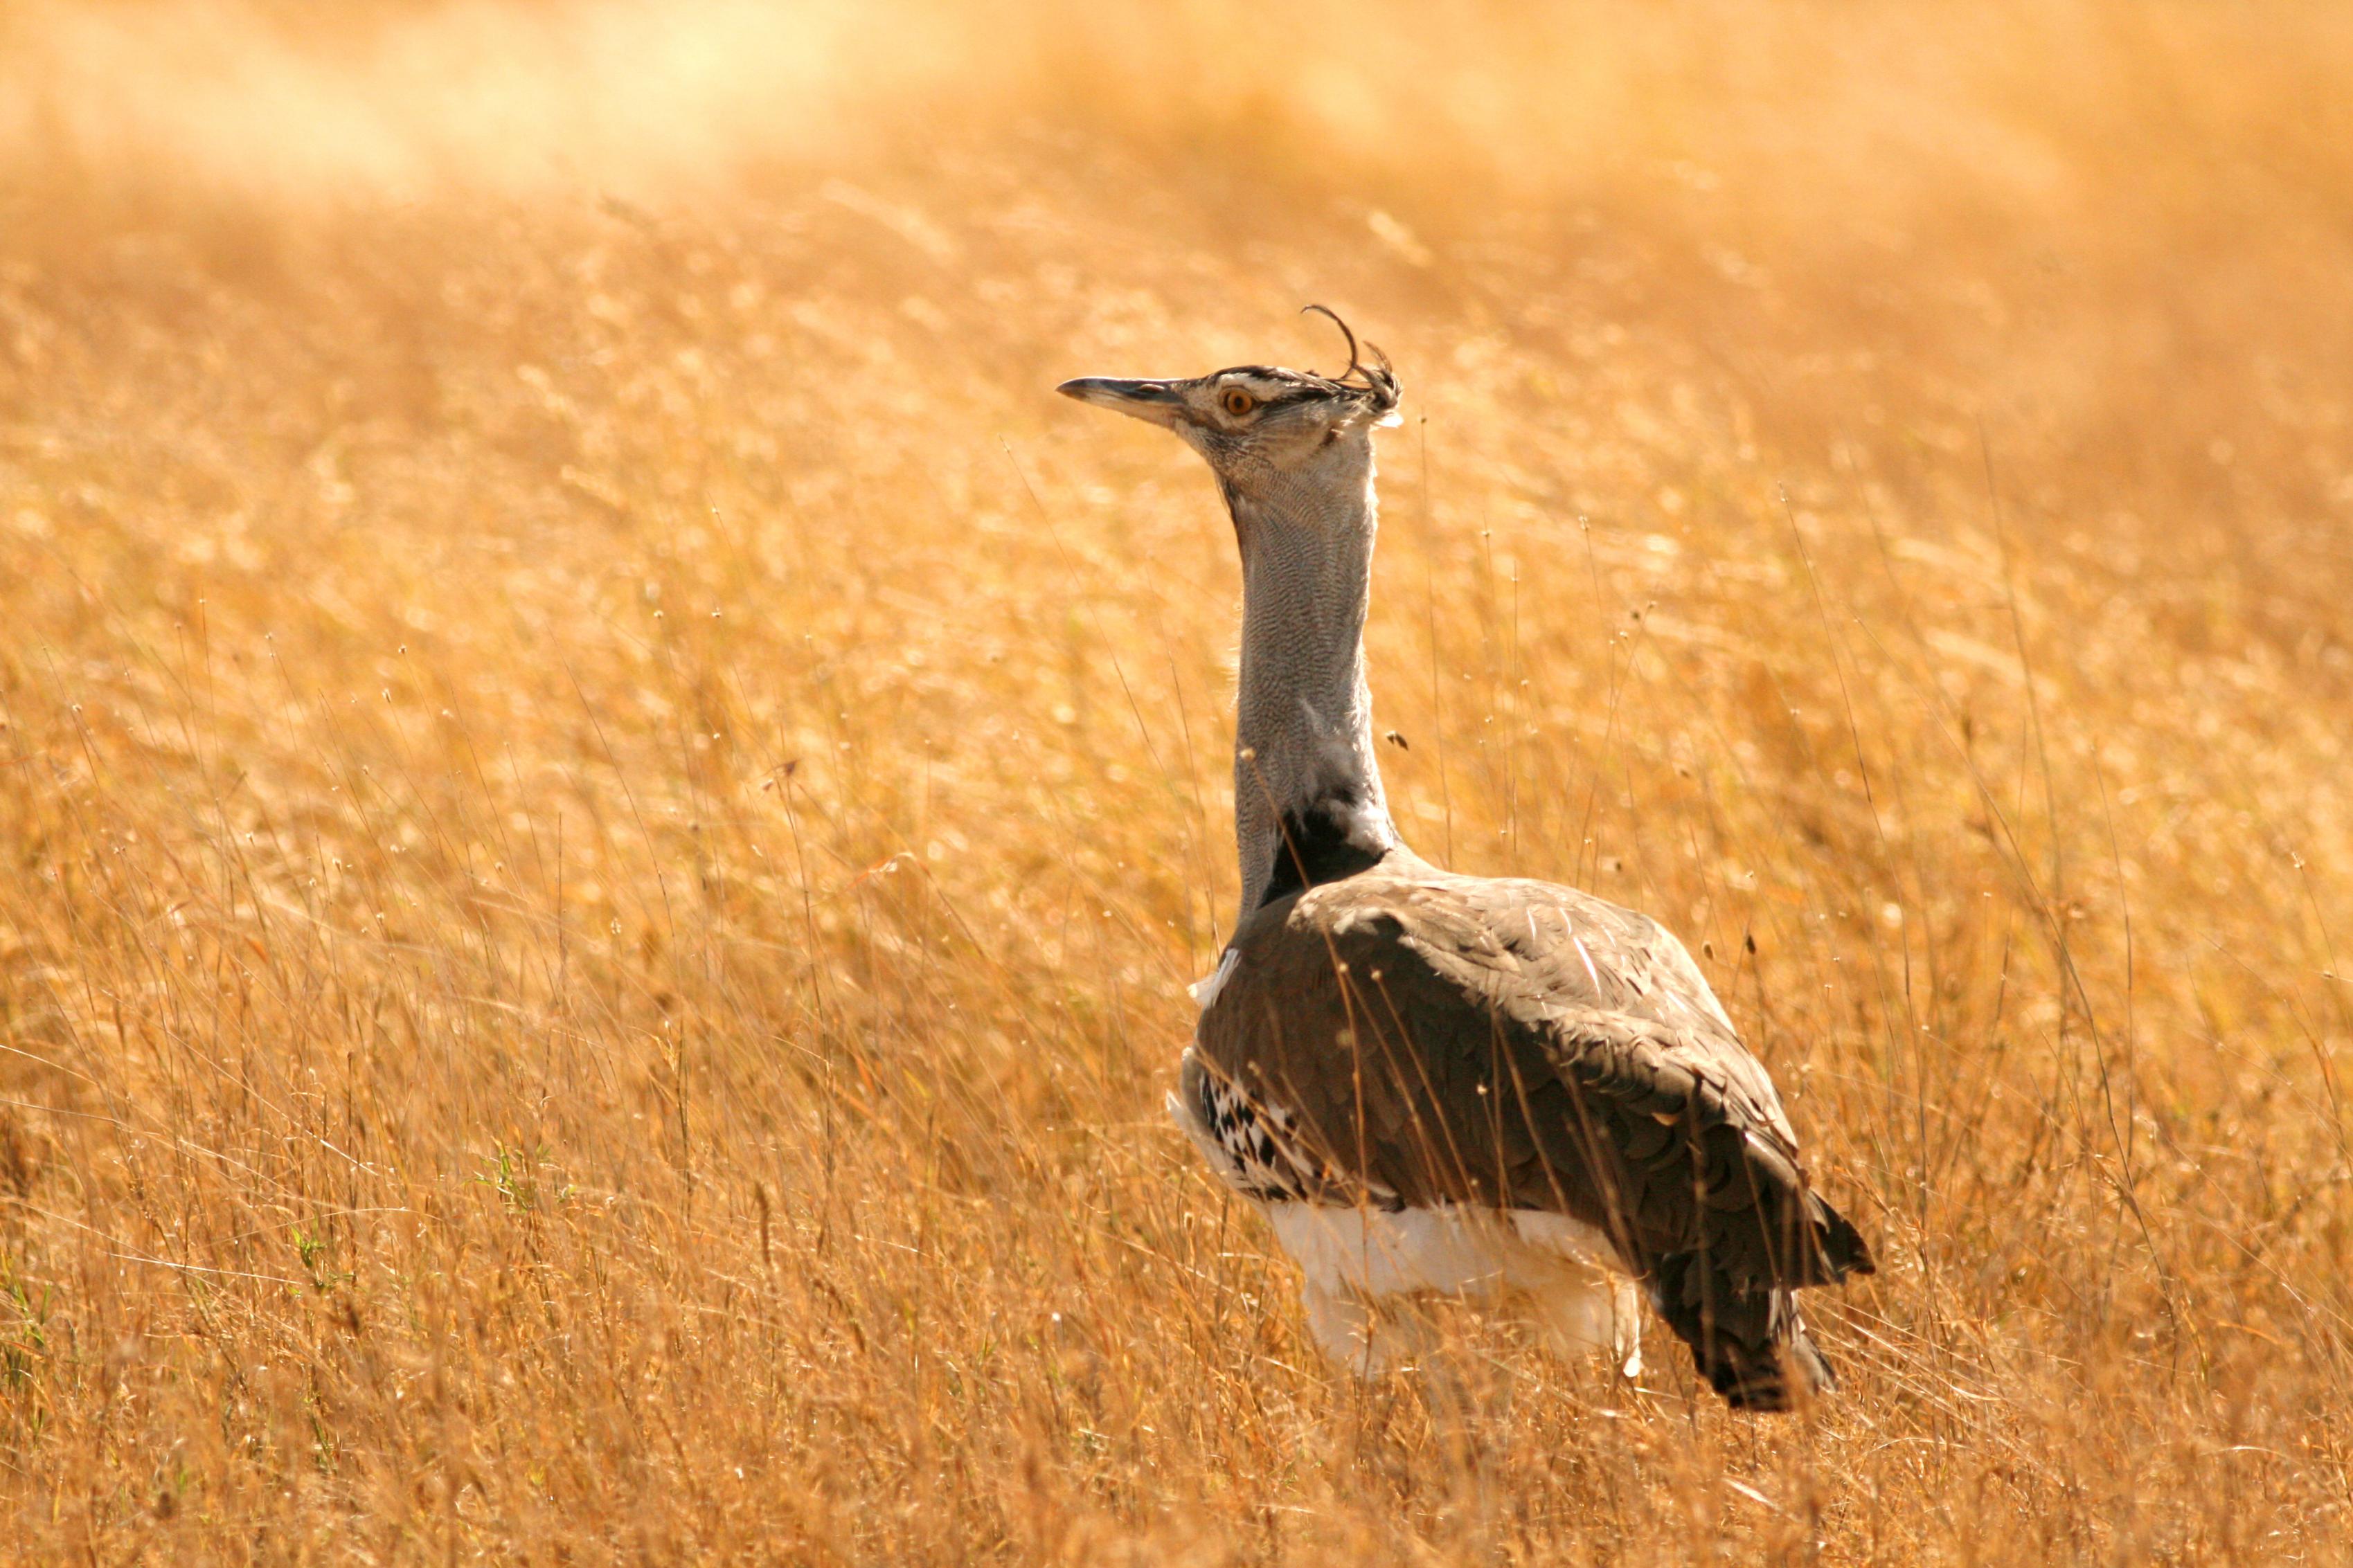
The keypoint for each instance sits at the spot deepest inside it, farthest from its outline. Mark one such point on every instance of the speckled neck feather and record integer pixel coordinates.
(1308, 804)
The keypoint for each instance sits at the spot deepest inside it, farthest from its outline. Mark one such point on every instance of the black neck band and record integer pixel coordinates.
(1316, 846)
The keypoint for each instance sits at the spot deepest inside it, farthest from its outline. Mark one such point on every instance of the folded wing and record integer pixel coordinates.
(1433, 1039)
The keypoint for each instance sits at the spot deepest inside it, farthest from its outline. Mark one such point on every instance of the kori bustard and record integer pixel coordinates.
(1451, 1084)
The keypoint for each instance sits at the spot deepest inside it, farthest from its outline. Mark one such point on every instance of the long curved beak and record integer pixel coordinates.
(1154, 402)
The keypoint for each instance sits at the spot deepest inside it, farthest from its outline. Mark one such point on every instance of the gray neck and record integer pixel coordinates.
(1308, 804)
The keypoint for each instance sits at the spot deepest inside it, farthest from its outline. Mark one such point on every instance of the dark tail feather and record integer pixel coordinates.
(1769, 1377)
(1749, 1344)
(1840, 1246)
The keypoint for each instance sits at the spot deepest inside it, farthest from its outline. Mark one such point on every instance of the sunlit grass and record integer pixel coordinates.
(607, 805)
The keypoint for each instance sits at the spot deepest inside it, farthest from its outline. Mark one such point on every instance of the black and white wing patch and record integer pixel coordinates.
(1254, 1147)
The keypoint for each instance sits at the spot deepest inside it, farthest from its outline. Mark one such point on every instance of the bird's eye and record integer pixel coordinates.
(1238, 402)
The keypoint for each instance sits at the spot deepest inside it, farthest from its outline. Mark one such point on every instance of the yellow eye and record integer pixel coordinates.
(1238, 402)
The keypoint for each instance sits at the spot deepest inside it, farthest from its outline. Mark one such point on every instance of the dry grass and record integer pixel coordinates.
(607, 803)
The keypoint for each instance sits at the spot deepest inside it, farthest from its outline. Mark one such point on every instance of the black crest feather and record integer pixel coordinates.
(1377, 381)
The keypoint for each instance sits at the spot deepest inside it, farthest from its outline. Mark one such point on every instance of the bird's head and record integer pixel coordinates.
(1262, 428)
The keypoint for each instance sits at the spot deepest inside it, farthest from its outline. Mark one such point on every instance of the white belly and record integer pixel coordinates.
(1453, 1252)
(1555, 1267)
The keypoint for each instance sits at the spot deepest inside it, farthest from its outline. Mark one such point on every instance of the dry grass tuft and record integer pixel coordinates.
(606, 803)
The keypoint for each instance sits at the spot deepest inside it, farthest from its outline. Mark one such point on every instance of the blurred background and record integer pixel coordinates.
(607, 803)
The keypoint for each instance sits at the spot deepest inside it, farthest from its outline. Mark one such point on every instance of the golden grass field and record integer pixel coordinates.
(606, 803)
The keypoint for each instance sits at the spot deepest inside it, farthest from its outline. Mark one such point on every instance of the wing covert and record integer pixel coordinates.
(1452, 1039)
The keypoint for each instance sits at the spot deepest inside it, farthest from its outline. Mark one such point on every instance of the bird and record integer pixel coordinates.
(1436, 1084)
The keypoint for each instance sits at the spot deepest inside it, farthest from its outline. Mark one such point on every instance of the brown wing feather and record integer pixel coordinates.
(1435, 1038)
